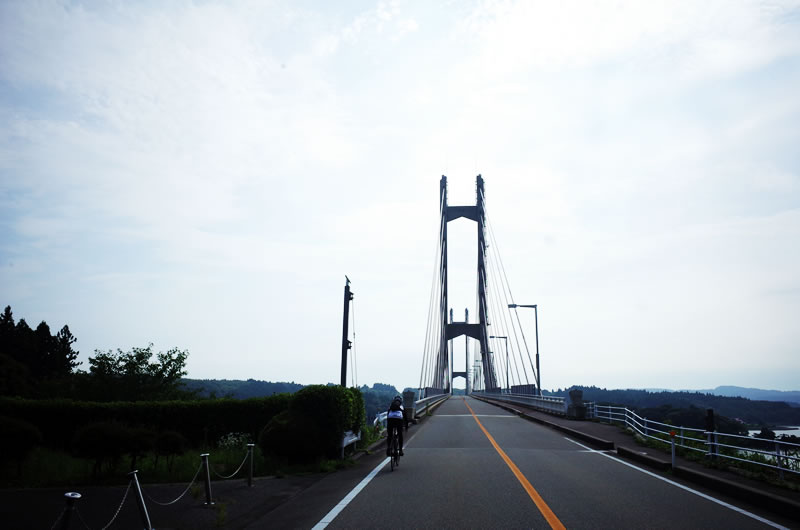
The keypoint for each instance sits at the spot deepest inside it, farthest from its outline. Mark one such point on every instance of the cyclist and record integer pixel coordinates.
(394, 418)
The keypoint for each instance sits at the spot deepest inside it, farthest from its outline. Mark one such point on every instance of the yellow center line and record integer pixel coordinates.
(534, 495)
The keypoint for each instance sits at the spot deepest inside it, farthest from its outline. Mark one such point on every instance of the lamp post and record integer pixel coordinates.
(536, 319)
(506, 341)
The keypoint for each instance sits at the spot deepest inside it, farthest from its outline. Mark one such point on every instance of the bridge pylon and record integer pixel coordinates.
(450, 330)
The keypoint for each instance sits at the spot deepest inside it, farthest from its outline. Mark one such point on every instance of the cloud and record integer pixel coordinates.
(211, 171)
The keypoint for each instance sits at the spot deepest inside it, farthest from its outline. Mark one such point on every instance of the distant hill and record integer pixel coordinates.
(792, 396)
(237, 388)
(376, 399)
(751, 412)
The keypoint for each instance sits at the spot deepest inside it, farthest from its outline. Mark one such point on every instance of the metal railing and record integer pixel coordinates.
(783, 456)
(349, 438)
(420, 408)
(551, 405)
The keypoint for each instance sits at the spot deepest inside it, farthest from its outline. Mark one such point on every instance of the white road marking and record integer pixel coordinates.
(331, 515)
(681, 486)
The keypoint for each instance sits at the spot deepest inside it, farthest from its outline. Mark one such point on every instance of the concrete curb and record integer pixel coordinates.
(775, 503)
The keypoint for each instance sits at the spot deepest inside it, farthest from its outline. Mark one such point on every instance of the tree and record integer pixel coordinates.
(6, 329)
(131, 376)
(46, 360)
(65, 361)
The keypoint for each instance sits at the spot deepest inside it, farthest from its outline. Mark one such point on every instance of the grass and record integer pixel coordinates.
(48, 467)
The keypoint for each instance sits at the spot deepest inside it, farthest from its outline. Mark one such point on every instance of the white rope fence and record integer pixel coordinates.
(64, 519)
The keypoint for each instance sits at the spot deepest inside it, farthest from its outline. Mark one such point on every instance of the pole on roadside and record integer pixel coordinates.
(346, 344)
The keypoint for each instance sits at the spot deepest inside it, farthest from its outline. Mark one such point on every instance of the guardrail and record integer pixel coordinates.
(426, 403)
(551, 405)
(349, 438)
(420, 407)
(783, 456)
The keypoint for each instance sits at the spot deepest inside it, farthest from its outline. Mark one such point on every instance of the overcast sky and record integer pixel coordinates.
(204, 174)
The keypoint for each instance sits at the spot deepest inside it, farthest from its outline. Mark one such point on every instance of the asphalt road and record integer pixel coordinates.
(454, 476)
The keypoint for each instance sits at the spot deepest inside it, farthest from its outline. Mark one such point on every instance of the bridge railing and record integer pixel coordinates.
(549, 404)
(774, 454)
(420, 407)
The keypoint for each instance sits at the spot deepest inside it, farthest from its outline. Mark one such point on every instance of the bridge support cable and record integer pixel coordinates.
(433, 331)
(501, 316)
(423, 373)
(500, 324)
(508, 296)
(504, 360)
(511, 298)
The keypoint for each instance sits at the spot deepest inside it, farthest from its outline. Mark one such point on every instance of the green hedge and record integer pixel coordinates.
(302, 426)
(202, 422)
(313, 425)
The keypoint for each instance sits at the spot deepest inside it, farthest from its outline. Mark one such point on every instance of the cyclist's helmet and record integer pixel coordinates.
(398, 398)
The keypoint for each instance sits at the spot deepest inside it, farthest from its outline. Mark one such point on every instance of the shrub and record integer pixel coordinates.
(140, 441)
(290, 436)
(202, 422)
(312, 427)
(103, 442)
(18, 440)
(234, 440)
(169, 444)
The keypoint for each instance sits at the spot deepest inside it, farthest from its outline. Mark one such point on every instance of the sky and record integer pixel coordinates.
(204, 174)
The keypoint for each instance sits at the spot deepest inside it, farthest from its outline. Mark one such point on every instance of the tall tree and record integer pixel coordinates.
(130, 376)
(66, 359)
(41, 363)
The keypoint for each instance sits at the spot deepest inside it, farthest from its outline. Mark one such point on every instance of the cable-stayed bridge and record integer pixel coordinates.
(490, 365)
(476, 465)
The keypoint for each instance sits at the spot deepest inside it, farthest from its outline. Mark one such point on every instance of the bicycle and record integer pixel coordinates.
(395, 451)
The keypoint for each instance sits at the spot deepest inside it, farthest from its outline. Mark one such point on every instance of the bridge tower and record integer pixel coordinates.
(465, 373)
(452, 330)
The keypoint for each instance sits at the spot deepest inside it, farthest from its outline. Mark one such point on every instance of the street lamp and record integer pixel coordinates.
(506, 340)
(536, 317)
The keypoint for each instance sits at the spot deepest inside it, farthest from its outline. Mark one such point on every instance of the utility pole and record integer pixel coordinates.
(346, 344)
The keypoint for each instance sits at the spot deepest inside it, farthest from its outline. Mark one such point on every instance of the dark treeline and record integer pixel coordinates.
(31, 356)
(376, 398)
(689, 408)
(36, 364)
(237, 389)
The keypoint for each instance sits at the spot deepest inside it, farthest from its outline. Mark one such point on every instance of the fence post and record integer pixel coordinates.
(140, 501)
(711, 428)
(683, 440)
(250, 456)
(209, 501)
(778, 458)
(70, 497)
(672, 439)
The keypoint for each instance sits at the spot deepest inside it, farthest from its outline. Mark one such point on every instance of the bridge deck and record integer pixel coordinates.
(453, 476)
